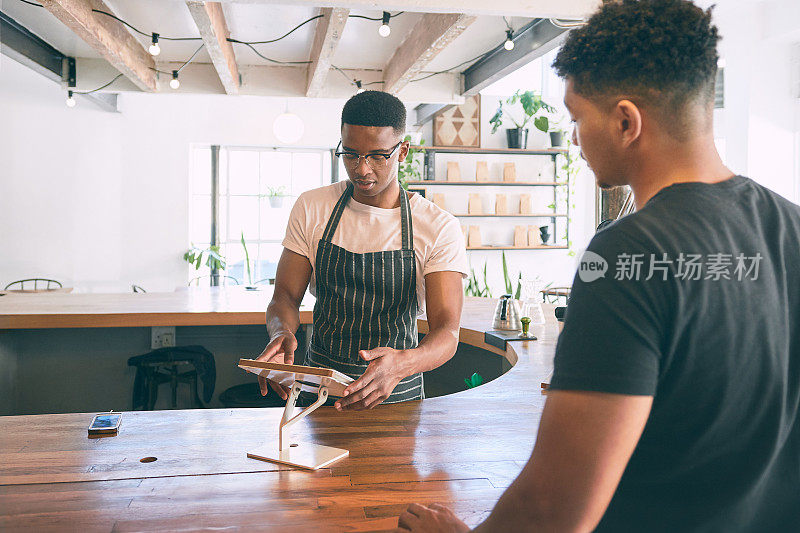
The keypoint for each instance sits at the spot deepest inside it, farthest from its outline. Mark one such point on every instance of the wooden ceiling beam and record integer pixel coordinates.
(432, 34)
(210, 21)
(109, 37)
(326, 39)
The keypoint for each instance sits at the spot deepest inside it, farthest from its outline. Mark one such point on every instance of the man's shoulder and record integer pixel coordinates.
(324, 194)
(429, 214)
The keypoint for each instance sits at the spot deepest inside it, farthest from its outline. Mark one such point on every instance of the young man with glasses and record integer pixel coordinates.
(375, 256)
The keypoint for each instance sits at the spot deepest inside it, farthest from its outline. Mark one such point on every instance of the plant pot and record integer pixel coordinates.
(517, 137)
(276, 201)
(544, 233)
(556, 139)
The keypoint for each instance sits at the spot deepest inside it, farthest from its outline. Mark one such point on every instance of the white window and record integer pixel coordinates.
(248, 180)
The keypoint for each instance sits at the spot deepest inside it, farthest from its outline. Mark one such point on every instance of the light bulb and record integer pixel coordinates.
(70, 100)
(174, 82)
(359, 89)
(509, 44)
(288, 128)
(154, 48)
(385, 30)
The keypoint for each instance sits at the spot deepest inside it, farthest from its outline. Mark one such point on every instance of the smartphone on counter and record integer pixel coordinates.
(105, 423)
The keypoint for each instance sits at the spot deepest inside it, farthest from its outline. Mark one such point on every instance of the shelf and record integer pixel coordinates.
(507, 151)
(531, 215)
(542, 247)
(491, 183)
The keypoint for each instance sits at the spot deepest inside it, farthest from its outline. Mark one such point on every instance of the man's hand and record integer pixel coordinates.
(279, 350)
(379, 380)
(434, 519)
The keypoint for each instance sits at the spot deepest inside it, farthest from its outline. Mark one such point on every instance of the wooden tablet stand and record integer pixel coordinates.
(302, 454)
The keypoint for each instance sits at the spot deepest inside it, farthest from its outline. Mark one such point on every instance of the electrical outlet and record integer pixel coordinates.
(162, 337)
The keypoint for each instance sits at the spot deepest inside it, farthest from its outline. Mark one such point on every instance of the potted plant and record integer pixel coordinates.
(533, 107)
(249, 286)
(276, 195)
(210, 257)
(473, 287)
(409, 169)
(557, 132)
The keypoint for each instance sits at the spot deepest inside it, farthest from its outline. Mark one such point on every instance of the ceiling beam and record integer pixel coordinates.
(426, 112)
(432, 34)
(25, 47)
(530, 42)
(326, 39)
(210, 21)
(108, 37)
(18, 43)
(564, 9)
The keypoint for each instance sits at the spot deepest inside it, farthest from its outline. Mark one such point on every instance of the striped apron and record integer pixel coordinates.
(365, 301)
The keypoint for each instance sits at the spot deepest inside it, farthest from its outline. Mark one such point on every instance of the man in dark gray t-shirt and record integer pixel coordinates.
(675, 397)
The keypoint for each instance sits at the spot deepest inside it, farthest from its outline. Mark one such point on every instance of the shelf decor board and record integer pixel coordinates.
(490, 183)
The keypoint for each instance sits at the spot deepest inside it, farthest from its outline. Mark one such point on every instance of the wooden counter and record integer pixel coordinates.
(461, 450)
(206, 306)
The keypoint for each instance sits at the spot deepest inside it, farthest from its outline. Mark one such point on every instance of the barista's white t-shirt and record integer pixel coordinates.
(438, 239)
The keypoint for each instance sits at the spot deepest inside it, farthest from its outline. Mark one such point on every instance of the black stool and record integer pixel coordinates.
(166, 365)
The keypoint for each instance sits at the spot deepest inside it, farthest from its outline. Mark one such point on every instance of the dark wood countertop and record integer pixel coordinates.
(461, 450)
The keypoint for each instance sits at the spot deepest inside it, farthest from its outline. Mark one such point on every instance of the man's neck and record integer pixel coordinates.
(696, 161)
(389, 198)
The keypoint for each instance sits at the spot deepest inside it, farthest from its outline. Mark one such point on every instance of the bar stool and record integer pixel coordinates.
(173, 365)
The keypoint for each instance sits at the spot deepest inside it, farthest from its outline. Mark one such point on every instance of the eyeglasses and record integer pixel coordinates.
(376, 161)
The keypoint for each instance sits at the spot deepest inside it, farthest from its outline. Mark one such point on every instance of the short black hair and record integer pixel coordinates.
(375, 108)
(663, 51)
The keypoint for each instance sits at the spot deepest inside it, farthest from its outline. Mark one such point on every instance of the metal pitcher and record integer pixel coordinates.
(507, 314)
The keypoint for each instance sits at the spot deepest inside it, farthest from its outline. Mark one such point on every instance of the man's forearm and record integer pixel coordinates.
(282, 315)
(434, 350)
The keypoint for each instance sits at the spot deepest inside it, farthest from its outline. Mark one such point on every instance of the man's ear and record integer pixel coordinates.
(628, 119)
(403, 151)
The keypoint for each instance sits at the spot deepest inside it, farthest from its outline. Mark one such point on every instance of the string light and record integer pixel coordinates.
(174, 82)
(154, 48)
(509, 44)
(70, 99)
(359, 89)
(385, 30)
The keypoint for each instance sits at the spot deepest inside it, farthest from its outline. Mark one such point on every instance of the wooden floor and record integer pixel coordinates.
(461, 450)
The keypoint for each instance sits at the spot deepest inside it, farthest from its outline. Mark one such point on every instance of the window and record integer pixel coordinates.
(248, 177)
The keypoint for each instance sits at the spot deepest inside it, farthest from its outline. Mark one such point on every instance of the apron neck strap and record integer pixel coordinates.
(407, 230)
(333, 222)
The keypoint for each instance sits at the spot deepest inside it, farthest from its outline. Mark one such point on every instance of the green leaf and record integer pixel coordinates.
(505, 274)
(541, 123)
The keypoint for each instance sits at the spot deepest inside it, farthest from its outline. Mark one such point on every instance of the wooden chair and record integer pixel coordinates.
(224, 280)
(24, 285)
(554, 294)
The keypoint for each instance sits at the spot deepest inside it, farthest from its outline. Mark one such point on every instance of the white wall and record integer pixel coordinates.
(100, 200)
(761, 119)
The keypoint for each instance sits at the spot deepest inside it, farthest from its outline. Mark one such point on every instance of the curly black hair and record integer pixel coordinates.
(663, 52)
(375, 108)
